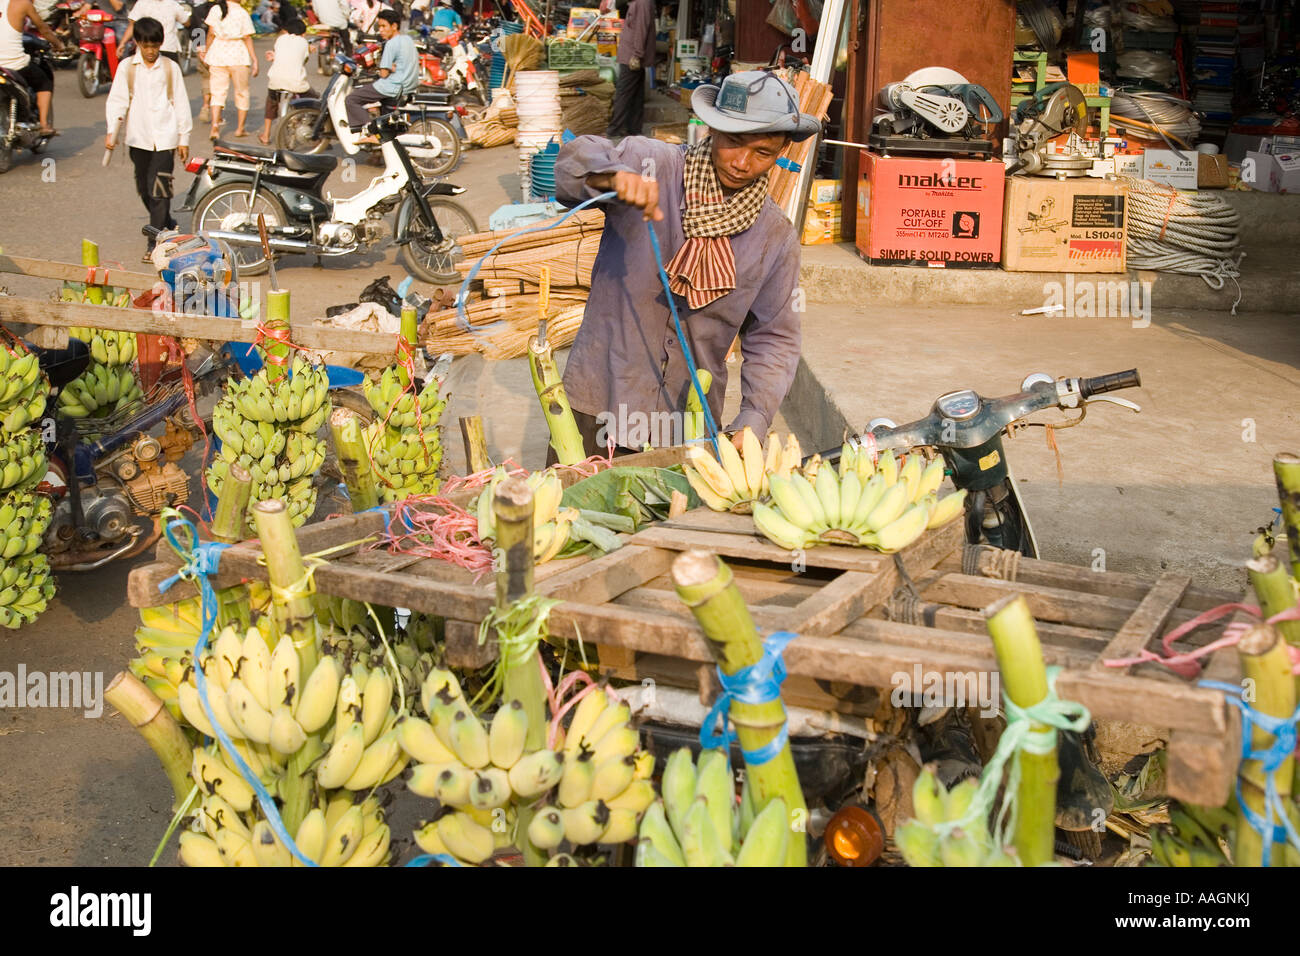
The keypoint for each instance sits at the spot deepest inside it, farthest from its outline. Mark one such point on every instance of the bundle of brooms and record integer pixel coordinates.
(502, 326)
(814, 98)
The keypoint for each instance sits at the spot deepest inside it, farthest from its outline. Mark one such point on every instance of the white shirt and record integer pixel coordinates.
(332, 13)
(151, 122)
(166, 12)
(289, 67)
(12, 55)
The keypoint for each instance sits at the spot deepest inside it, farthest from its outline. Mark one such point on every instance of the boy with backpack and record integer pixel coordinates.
(149, 95)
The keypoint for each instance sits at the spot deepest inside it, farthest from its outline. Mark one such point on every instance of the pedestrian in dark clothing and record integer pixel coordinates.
(636, 55)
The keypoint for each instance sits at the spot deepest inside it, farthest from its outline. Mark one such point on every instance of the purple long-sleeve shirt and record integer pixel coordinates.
(626, 351)
(637, 37)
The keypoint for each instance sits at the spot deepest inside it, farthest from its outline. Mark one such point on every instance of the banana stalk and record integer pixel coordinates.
(565, 438)
(1267, 664)
(706, 585)
(1024, 680)
(232, 505)
(410, 332)
(1286, 469)
(476, 455)
(90, 259)
(277, 317)
(693, 425)
(354, 460)
(149, 716)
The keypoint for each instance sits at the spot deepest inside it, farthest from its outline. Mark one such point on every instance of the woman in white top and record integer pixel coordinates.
(172, 18)
(229, 55)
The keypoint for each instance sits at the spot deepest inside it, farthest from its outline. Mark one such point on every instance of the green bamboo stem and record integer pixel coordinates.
(277, 317)
(1286, 469)
(565, 437)
(1266, 663)
(354, 459)
(90, 259)
(693, 423)
(476, 453)
(410, 331)
(1024, 680)
(149, 716)
(707, 586)
(232, 505)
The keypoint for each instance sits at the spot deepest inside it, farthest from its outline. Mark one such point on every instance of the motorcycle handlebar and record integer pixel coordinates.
(1109, 383)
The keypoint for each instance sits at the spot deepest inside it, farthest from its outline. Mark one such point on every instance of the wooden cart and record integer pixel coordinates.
(863, 619)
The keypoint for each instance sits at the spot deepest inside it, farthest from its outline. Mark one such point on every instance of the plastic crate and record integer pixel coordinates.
(571, 55)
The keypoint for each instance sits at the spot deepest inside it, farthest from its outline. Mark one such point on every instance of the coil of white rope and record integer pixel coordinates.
(1184, 233)
(1167, 113)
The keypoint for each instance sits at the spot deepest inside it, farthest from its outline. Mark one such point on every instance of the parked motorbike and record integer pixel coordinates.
(100, 55)
(239, 184)
(433, 139)
(20, 125)
(449, 64)
(65, 24)
(329, 43)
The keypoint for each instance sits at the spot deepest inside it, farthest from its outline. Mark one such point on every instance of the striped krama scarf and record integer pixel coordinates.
(704, 268)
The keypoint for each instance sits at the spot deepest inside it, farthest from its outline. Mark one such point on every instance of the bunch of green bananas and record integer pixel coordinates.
(886, 506)
(698, 822)
(25, 589)
(107, 346)
(594, 790)
(27, 408)
(299, 494)
(22, 460)
(115, 296)
(550, 521)
(99, 389)
(244, 436)
(1193, 837)
(18, 373)
(298, 398)
(24, 516)
(226, 830)
(736, 479)
(397, 407)
(921, 845)
(406, 462)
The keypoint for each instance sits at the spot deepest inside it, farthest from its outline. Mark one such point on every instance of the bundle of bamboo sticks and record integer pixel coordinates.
(588, 222)
(502, 333)
(814, 98)
(570, 262)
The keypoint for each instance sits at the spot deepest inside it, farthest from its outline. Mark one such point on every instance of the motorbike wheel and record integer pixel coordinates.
(226, 207)
(88, 75)
(6, 152)
(481, 93)
(448, 157)
(426, 261)
(324, 63)
(294, 133)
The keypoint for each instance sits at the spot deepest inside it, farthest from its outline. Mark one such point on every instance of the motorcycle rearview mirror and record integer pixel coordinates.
(876, 423)
(1034, 379)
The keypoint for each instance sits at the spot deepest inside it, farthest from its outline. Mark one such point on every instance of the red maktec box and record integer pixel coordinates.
(943, 213)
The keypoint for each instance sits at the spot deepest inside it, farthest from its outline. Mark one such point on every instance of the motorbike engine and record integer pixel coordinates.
(152, 484)
(106, 515)
(338, 234)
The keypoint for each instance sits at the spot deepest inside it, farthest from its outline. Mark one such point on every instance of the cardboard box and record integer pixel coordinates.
(1128, 164)
(1071, 225)
(826, 191)
(942, 213)
(1164, 166)
(1272, 172)
(822, 224)
(1212, 171)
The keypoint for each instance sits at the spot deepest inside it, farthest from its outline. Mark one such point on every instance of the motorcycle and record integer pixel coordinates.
(240, 184)
(329, 44)
(64, 22)
(185, 39)
(308, 123)
(20, 125)
(967, 428)
(100, 56)
(449, 65)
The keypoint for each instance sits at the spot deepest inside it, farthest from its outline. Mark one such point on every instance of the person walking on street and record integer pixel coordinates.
(636, 55)
(166, 12)
(149, 94)
(734, 271)
(288, 73)
(334, 14)
(230, 57)
(398, 74)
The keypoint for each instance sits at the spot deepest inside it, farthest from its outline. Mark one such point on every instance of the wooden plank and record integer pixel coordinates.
(1064, 636)
(1147, 620)
(71, 272)
(966, 642)
(1048, 604)
(180, 325)
(608, 576)
(462, 648)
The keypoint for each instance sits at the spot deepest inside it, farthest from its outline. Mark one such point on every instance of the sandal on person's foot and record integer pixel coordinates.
(49, 132)
(241, 134)
(263, 140)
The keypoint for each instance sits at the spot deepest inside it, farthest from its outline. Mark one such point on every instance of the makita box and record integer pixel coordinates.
(944, 213)
(1070, 225)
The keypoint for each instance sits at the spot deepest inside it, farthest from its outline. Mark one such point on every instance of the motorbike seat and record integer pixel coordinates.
(298, 162)
(431, 98)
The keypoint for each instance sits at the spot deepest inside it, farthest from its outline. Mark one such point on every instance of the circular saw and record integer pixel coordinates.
(1055, 110)
(936, 102)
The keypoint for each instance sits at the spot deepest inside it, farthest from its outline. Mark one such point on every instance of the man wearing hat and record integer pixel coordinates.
(732, 262)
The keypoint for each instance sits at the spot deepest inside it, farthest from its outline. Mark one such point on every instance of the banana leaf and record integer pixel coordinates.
(642, 494)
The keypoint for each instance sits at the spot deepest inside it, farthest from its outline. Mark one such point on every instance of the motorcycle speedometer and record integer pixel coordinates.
(958, 406)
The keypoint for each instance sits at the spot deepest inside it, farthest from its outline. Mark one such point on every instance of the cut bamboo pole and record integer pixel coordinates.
(565, 437)
(476, 455)
(1286, 469)
(149, 716)
(707, 586)
(90, 259)
(1266, 664)
(232, 505)
(1024, 680)
(354, 459)
(277, 319)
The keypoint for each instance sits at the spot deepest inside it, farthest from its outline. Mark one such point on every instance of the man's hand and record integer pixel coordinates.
(738, 440)
(634, 63)
(108, 141)
(633, 189)
(182, 153)
(255, 66)
(270, 56)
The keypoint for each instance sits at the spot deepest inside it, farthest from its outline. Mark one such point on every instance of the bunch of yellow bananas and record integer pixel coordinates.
(921, 845)
(24, 516)
(107, 347)
(99, 390)
(594, 790)
(1197, 836)
(735, 481)
(885, 506)
(24, 391)
(115, 296)
(698, 823)
(550, 521)
(228, 833)
(22, 460)
(299, 398)
(25, 589)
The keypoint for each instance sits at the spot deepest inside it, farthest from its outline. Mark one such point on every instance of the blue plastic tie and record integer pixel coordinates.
(786, 163)
(201, 559)
(428, 859)
(1283, 731)
(383, 510)
(759, 683)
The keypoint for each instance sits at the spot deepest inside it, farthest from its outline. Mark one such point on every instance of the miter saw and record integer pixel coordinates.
(1055, 110)
(935, 110)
